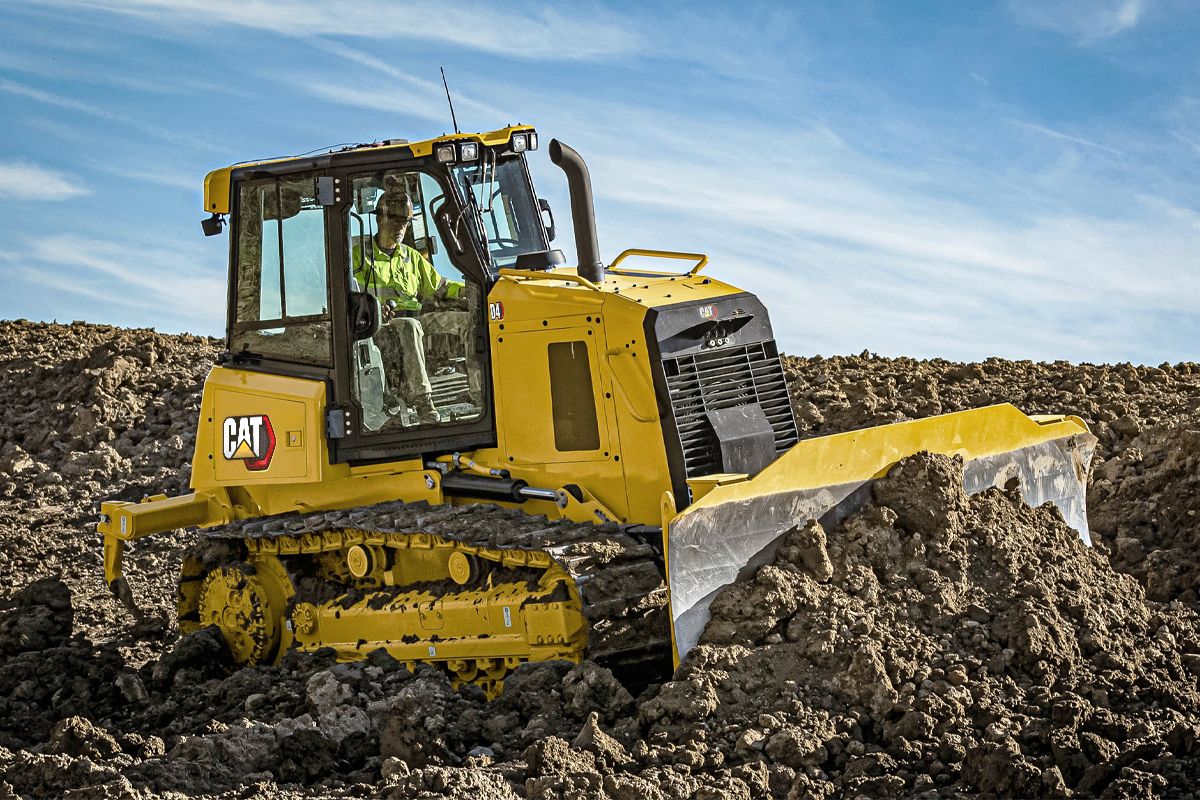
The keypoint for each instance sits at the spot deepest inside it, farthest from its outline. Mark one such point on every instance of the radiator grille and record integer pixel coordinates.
(724, 378)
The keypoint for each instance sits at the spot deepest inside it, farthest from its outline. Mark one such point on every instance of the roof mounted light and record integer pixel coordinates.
(468, 151)
(525, 140)
(445, 153)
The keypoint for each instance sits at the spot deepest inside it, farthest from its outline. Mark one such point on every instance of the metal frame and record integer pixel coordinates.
(474, 264)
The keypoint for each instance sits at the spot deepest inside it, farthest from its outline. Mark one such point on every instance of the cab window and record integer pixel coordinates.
(423, 369)
(500, 195)
(281, 289)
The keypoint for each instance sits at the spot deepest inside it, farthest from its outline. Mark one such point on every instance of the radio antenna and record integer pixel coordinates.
(448, 100)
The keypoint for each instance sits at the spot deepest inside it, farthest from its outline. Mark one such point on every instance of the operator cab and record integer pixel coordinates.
(370, 268)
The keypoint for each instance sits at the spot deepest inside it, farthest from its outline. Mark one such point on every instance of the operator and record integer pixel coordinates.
(402, 279)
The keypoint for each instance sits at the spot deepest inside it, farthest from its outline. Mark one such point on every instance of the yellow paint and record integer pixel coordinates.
(706, 483)
(291, 404)
(861, 455)
(544, 307)
(482, 630)
(477, 633)
(700, 258)
(523, 388)
(218, 199)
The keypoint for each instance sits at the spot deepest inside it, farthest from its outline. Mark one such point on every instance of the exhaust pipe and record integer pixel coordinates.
(583, 213)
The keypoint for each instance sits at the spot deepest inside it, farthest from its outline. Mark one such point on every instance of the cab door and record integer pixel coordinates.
(420, 382)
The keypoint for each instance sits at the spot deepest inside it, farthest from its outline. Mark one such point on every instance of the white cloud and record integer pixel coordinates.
(143, 276)
(1066, 137)
(1085, 21)
(25, 181)
(390, 100)
(49, 98)
(71, 104)
(421, 94)
(1043, 258)
(578, 32)
(149, 174)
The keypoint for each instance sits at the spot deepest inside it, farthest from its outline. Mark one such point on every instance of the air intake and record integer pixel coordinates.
(724, 379)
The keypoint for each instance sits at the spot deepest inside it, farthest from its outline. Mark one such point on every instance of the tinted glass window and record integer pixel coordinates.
(423, 368)
(501, 199)
(281, 305)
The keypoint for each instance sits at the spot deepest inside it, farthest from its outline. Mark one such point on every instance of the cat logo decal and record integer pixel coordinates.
(249, 439)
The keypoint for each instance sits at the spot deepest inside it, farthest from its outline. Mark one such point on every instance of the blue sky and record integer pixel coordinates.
(953, 179)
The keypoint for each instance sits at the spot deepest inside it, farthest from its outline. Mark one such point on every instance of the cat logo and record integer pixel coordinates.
(249, 439)
(708, 312)
(495, 311)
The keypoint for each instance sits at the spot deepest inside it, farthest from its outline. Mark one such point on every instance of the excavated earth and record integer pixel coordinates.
(932, 645)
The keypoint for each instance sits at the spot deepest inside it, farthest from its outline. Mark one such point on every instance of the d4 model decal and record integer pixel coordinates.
(249, 439)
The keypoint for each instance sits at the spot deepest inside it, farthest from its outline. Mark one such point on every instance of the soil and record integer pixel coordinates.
(931, 645)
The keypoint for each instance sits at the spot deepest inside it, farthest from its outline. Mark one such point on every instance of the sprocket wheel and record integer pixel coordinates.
(233, 598)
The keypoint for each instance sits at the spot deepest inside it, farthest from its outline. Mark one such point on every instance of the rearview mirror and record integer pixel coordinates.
(544, 205)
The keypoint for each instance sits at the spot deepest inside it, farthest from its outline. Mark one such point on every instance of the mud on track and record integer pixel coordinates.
(932, 645)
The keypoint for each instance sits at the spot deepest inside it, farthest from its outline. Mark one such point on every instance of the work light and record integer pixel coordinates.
(468, 151)
(445, 153)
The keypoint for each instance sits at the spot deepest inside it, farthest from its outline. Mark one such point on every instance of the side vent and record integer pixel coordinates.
(723, 379)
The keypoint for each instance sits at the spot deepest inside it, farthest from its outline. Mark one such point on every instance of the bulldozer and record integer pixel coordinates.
(592, 452)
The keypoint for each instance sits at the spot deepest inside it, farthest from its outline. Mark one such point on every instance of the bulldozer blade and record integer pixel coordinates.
(734, 528)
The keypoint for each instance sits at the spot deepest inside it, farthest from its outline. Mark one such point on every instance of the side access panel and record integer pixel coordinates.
(257, 428)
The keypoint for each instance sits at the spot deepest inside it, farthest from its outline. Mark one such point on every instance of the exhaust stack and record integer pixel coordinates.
(583, 213)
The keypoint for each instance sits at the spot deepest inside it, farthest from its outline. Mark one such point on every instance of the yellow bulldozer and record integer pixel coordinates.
(510, 459)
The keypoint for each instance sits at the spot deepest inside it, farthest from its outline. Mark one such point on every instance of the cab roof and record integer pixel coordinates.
(217, 182)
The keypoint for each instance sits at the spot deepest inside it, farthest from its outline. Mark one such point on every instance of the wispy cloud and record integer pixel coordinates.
(421, 93)
(544, 33)
(57, 100)
(50, 63)
(146, 173)
(1066, 137)
(108, 269)
(71, 104)
(390, 101)
(1085, 21)
(26, 181)
(935, 257)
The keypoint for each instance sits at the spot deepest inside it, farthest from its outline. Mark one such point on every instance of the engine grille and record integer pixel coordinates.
(725, 378)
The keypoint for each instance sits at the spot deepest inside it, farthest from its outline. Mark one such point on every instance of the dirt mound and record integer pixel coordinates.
(46, 675)
(1139, 503)
(43, 617)
(940, 641)
(1118, 401)
(933, 644)
(81, 718)
(1145, 503)
(97, 408)
(92, 412)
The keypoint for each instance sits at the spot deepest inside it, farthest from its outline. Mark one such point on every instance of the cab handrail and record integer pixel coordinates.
(549, 276)
(700, 258)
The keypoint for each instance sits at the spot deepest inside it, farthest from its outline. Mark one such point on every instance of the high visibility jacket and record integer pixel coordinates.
(405, 276)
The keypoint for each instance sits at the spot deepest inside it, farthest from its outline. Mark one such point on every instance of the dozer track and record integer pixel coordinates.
(475, 589)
